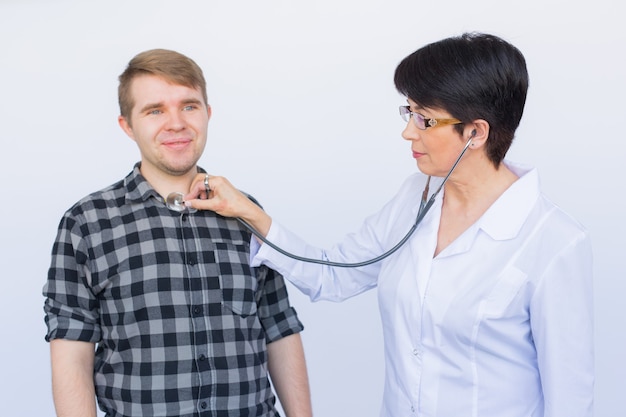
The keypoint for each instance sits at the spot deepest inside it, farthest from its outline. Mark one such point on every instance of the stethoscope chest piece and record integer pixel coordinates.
(175, 201)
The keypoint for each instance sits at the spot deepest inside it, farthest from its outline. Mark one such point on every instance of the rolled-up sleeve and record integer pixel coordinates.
(278, 318)
(71, 309)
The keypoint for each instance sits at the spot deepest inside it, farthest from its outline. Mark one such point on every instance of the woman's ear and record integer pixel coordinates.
(478, 132)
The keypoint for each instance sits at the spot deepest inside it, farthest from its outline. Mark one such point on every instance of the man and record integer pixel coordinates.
(157, 312)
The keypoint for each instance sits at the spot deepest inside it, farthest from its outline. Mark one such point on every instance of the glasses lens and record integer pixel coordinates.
(405, 113)
(418, 119)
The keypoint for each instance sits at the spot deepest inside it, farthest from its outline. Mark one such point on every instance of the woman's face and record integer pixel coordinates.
(436, 148)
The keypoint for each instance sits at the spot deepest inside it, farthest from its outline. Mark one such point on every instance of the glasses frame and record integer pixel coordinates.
(407, 114)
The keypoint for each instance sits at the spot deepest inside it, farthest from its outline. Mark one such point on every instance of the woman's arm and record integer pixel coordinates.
(562, 327)
(227, 201)
(379, 233)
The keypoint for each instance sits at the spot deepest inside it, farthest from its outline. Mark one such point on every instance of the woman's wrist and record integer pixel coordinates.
(258, 219)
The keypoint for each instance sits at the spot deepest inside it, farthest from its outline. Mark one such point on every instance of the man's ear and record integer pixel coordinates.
(126, 127)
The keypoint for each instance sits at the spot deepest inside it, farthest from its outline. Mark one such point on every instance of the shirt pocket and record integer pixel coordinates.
(505, 290)
(238, 282)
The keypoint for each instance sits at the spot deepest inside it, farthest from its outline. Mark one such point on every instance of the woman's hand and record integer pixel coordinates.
(224, 199)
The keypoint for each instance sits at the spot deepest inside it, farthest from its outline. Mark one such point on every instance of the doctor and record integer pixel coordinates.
(487, 310)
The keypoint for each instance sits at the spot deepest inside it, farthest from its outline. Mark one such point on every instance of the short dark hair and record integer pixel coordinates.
(472, 76)
(170, 65)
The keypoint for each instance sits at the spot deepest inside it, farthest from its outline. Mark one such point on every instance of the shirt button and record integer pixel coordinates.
(197, 310)
(202, 357)
(203, 404)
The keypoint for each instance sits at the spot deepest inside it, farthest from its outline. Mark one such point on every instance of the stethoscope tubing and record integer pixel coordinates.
(423, 210)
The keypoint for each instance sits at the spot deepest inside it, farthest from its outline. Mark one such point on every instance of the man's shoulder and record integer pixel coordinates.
(107, 197)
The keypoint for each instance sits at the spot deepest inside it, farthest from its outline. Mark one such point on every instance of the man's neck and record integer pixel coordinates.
(165, 183)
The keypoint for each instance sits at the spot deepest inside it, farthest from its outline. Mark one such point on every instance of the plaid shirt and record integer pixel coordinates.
(180, 319)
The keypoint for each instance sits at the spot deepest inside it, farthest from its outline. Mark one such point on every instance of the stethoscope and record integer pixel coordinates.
(174, 201)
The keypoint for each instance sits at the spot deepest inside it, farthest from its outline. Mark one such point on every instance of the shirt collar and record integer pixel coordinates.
(504, 219)
(137, 187)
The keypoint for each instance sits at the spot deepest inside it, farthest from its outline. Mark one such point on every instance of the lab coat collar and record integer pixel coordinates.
(504, 219)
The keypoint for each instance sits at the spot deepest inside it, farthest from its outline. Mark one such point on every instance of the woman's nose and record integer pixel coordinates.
(410, 132)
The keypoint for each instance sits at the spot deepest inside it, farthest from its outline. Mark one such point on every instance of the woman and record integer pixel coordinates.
(487, 310)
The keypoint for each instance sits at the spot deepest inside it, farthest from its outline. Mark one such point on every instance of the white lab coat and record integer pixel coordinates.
(497, 324)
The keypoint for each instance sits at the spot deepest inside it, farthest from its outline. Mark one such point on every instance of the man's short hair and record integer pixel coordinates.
(172, 66)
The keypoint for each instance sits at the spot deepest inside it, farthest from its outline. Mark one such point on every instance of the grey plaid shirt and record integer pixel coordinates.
(180, 319)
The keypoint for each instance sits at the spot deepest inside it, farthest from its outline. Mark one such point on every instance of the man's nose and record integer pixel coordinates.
(176, 121)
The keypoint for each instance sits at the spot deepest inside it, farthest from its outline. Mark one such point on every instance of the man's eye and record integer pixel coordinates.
(155, 111)
(189, 107)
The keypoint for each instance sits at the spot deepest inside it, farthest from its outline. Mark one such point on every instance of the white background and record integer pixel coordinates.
(304, 118)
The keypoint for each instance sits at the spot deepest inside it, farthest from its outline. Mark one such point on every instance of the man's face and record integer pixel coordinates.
(169, 124)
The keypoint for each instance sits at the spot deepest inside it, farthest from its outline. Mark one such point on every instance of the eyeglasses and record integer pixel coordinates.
(423, 123)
